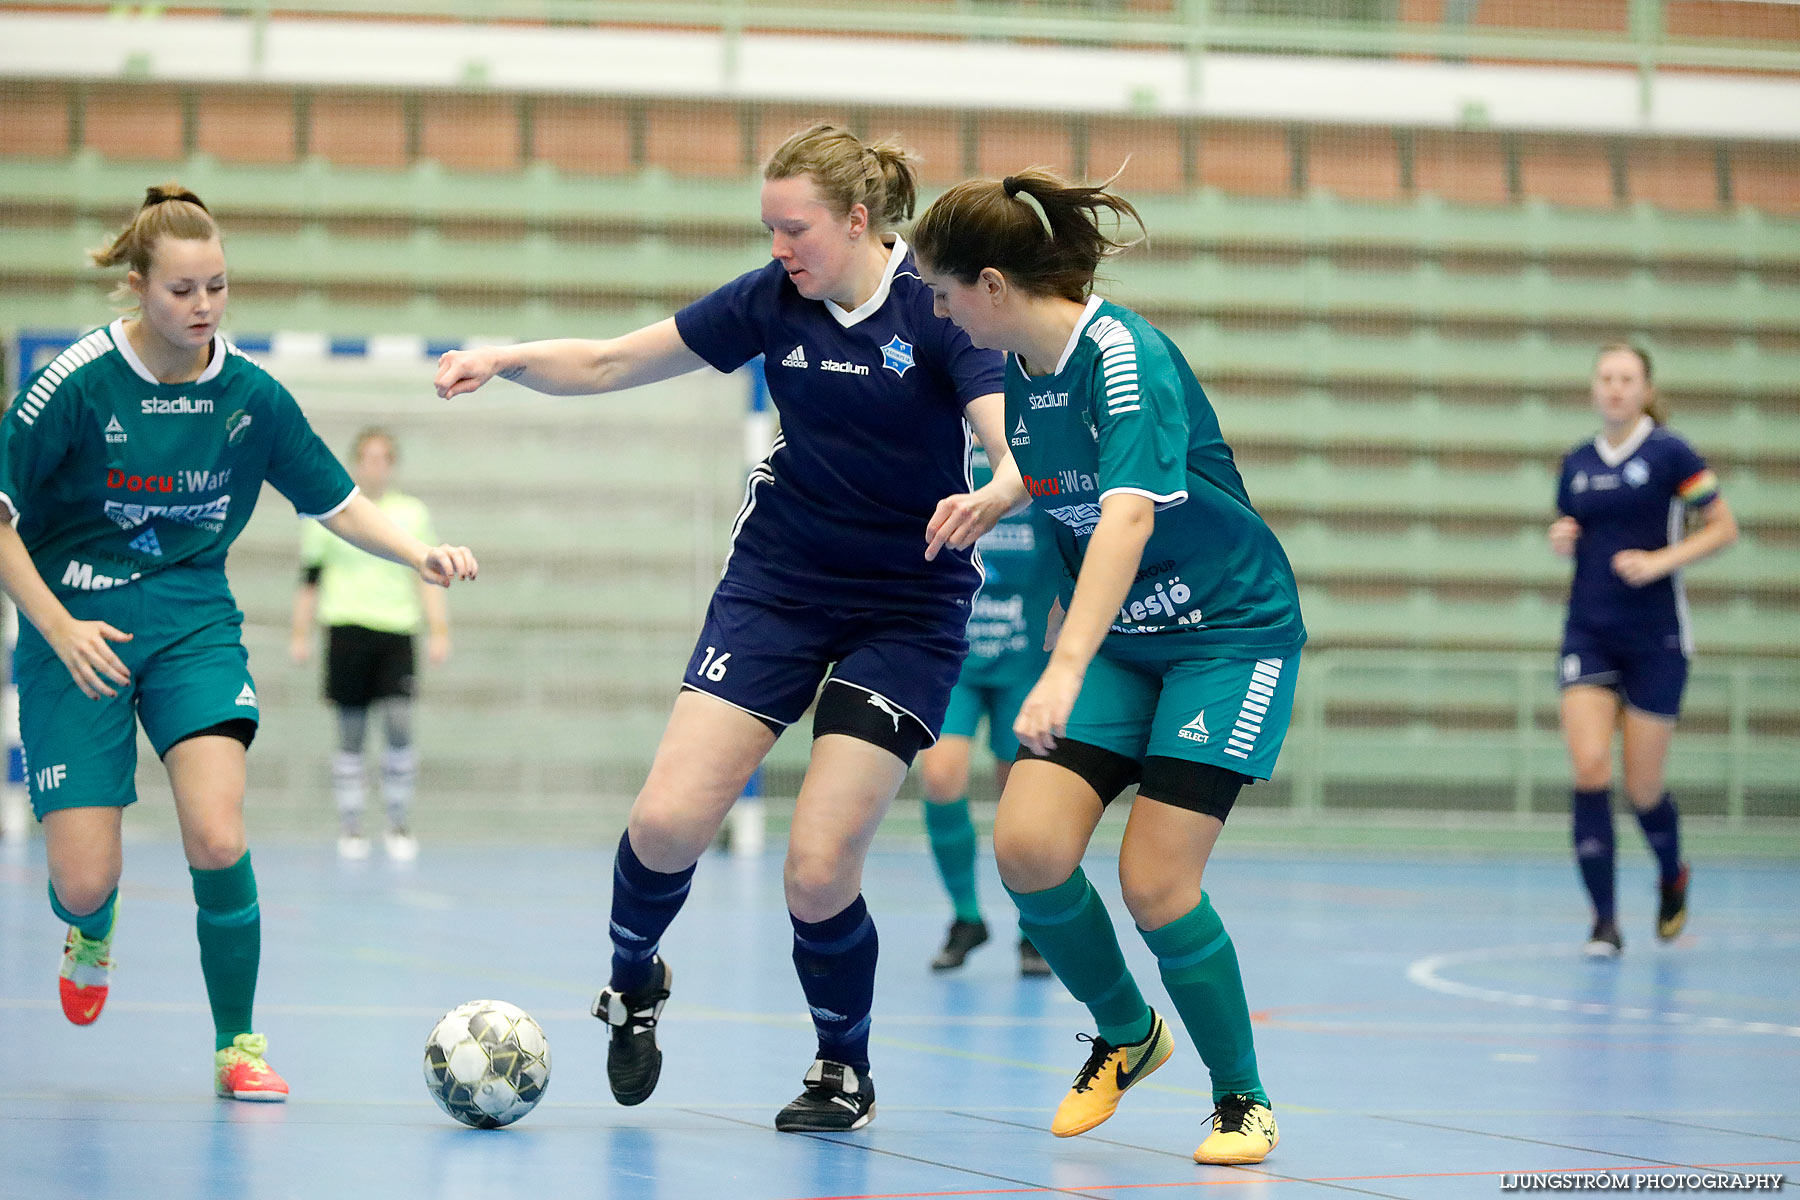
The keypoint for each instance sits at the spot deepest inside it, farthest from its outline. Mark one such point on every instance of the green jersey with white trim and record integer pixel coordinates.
(113, 477)
(358, 588)
(1123, 412)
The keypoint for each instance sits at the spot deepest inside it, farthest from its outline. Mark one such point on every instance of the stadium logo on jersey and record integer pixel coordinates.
(1578, 484)
(1636, 472)
(235, 425)
(180, 404)
(796, 358)
(897, 356)
(115, 432)
(247, 697)
(841, 367)
(209, 516)
(146, 543)
(1195, 730)
(83, 577)
(119, 481)
(1047, 400)
(1021, 436)
(882, 703)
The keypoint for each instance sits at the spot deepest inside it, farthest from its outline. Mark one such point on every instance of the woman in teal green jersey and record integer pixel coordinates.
(1174, 668)
(128, 465)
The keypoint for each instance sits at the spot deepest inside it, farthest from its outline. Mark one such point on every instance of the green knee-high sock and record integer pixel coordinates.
(952, 836)
(230, 928)
(1069, 926)
(94, 925)
(1199, 967)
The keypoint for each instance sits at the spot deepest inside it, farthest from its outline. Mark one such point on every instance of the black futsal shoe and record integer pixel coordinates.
(836, 1100)
(633, 1062)
(1031, 963)
(963, 937)
(1605, 941)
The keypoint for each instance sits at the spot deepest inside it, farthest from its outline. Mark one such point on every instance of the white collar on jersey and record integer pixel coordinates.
(117, 330)
(1087, 314)
(847, 318)
(1613, 456)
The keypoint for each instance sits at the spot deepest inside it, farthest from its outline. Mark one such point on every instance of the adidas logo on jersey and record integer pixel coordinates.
(247, 697)
(1021, 436)
(1195, 730)
(796, 358)
(115, 432)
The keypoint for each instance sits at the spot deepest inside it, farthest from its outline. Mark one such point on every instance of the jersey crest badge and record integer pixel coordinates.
(1636, 472)
(235, 425)
(897, 356)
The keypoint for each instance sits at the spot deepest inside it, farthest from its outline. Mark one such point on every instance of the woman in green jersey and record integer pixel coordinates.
(128, 464)
(1175, 665)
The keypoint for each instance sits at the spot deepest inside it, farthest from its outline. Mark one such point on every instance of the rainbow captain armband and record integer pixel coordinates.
(1699, 489)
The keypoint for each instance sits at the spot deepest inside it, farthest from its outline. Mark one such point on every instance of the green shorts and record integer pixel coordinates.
(1230, 712)
(999, 703)
(82, 753)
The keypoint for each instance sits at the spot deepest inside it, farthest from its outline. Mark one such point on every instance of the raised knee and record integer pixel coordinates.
(1031, 863)
(661, 836)
(83, 891)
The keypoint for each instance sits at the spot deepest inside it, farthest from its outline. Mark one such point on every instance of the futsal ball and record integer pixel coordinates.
(487, 1063)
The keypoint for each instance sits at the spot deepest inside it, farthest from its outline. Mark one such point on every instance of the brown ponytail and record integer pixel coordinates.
(1043, 233)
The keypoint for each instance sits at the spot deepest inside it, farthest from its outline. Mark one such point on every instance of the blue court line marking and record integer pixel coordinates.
(1425, 973)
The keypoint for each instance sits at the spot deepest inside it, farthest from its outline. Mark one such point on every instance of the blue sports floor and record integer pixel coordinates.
(1425, 1026)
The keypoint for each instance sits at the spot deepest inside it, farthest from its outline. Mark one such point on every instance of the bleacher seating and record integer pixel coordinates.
(1395, 324)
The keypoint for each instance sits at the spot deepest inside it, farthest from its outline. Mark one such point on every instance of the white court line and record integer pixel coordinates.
(1424, 972)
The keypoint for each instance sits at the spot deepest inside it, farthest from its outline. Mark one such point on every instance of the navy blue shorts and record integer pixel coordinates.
(1647, 673)
(768, 656)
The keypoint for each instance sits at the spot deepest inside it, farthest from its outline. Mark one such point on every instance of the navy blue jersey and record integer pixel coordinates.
(872, 437)
(1634, 497)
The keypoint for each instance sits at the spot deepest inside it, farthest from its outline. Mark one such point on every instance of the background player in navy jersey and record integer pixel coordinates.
(1006, 655)
(1625, 497)
(1174, 667)
(127, 467)
(829, 565)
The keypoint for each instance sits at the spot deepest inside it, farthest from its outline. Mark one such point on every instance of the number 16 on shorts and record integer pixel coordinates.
(713, 665)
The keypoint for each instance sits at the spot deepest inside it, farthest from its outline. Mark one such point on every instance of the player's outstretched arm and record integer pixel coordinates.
(573, 366)
(366, 527)
(82, 645)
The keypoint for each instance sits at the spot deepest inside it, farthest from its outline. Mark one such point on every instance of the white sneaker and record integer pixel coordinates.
(353, 847)
(402, 847)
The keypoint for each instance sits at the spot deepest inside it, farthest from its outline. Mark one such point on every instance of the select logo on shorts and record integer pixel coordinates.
(210, 516)
(247, 697)
(155, 405)
(1196, 730)
(897, 356)
(51, 777)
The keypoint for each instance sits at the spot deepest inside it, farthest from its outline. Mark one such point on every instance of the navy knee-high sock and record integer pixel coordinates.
(1662, 829)
(1594, 847)
(644, 902)
(836, 962)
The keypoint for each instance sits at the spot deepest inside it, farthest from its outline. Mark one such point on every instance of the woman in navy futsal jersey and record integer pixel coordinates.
(1624, 499)
(830, 578)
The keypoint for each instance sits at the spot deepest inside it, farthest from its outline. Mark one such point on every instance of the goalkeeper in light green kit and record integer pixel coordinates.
(1174, 667)
(371, 608)
(128, 465)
